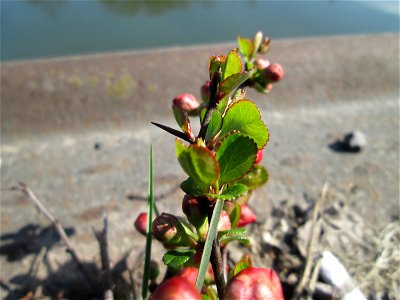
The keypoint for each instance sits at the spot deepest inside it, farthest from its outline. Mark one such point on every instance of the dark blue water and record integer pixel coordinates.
(36, 29)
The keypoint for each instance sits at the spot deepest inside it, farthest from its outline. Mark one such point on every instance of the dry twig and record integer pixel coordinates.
(312, 243)
(101, 237)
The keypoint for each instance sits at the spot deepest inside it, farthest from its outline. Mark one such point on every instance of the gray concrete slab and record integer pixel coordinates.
(77, 131)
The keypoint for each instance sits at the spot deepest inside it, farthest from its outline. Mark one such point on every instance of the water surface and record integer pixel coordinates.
(37, 28)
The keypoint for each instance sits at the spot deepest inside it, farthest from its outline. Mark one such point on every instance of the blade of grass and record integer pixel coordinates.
(150, 208)
(205, 258)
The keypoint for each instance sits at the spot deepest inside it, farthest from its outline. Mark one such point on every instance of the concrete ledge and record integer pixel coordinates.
(111, 90)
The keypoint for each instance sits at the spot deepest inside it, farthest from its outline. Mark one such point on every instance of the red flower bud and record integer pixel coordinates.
(274, 73)
(247, 216)
(169, 229)
(176, 288)
(255, 284)
(186, 102)
(205, 91)
(262, 63)
(195, 209)
(189, 273)
(141, 223)
(165, 228)
(224, 222)
(259, 156)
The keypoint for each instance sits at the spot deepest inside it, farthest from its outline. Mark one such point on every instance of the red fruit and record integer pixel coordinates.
(247, 216)
(254, 284)
(186, 102)
(274, 73)
(176, 288)
(259, 157)
(141, 223)
(189, 273)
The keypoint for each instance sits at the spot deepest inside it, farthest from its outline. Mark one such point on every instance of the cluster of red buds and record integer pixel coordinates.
(266, 73)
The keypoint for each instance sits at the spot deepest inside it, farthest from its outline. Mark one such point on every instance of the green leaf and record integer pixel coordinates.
(243, 199)
(233, 64)
(233, 209)
(215, 123)
(214, 126)
(187, 228)
(177, 257)
(244, 116)
(222, 105)
(232, 192)
(233, 231)
(183, 121)
(189, 186)
(235, 234)
(246, 47)
(202, 114)
(150, 207)
(199, 163)
(234, 81)
(236, 156)
(244, 263)
(241, 238)
(205, 257)
(255, 178)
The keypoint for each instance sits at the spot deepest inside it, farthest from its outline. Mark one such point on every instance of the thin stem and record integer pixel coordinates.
(207, 118)
(101, 237)
(212, 103)
(218, 268)
(150, 208)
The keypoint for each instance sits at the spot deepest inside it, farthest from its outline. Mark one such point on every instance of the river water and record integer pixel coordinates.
(38, 29)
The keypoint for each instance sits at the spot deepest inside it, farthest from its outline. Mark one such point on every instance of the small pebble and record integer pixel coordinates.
(355, 141)
(97, 146)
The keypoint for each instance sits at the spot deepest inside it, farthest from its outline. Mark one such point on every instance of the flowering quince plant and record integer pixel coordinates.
(222, 163)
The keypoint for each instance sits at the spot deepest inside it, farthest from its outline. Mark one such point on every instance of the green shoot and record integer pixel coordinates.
(150, 208)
